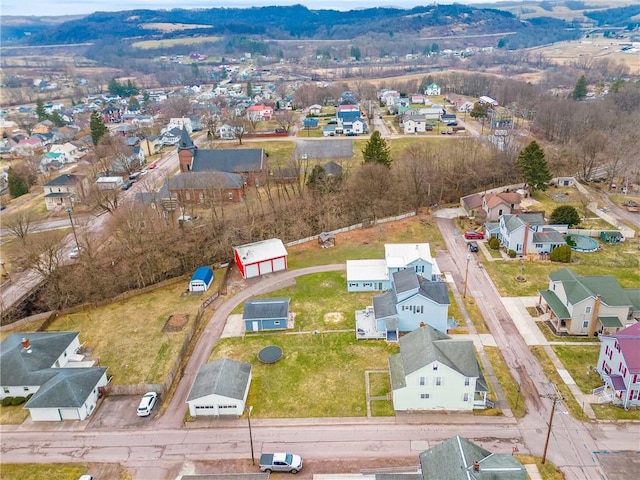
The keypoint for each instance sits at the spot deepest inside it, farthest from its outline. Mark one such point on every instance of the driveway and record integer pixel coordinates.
(119, 411)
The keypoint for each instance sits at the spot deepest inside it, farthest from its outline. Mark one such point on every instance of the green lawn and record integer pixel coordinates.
(580, 361)
(548, 471)
(611, 412)
(508, 384)
(552, 337)
(382, 408)
(314, 371)
(372, 247)
(127, 336)
(40, 471)
(315, 296)
(379, 384)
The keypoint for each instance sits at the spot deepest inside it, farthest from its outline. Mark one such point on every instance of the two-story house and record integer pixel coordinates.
(65, 191)
(436, 372)
(495, 205)
(432, 89)
(527, 233)
(414, 124)
(619, 366)
(260, 113)
(588, 305)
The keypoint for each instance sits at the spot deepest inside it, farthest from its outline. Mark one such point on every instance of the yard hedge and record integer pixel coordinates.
(17, 401)
(6, 401)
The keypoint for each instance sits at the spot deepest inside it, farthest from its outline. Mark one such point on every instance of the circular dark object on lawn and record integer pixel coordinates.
(270, 354)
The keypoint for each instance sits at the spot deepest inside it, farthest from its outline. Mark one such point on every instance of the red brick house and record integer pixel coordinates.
(193, 188)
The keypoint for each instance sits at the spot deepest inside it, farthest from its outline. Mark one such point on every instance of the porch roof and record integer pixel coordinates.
(610, 322)
(555, 304)
(618, 383)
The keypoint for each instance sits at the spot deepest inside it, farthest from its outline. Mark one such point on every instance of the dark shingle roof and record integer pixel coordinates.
(227, 378)
(384, 305)
(205, 181)
(436, 291)
(62, 180)
(266, 308)
(405, 280)
(229, 160)
(68, 388)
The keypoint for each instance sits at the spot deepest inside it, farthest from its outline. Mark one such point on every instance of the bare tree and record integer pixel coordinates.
(19, 224)
(285, 119)
(103, 199)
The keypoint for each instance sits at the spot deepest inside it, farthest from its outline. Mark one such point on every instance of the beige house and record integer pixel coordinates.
(496, 205)
(65, 191)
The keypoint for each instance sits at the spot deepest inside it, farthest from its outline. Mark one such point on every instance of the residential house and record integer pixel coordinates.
(220, 389)
(129, 159)
(151, 145)
(315, 109)
(249, 162)
(472, 204)
(461, 103)
(619, 366)
(434, 371)
(332, 170)
(43, 127)
(70, 153)
(418, 99)
(260, 258)
(226, 132)
(65, 191)
(266, 314)
(526, 233)
(414, 123)
(432, 89)
(207, 187)
(310, 123)
(27, 147)
(588, 305)
(179, 123)
(47, 367)
(460, 459)
(260, 113)
(329, 131)
(171, 137)
(497, 204)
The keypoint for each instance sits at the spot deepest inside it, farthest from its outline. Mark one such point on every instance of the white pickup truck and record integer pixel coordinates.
(280, 462)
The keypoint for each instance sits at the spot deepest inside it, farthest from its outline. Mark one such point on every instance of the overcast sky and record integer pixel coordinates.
(70, 7)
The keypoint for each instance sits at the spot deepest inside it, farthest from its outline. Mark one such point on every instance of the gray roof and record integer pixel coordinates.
(515, 221)
(66, 179)
(227, 378)
(229, 160)
(426, 345)
(205, 181)
(332, 169)
(68, 388)
(185, 142)
(267, 308)
(405, 280)
(454, 458)
(549, 236)
(384, 305)
(436, 291)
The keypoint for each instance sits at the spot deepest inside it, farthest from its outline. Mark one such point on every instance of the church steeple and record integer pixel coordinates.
(186, 151)
(185, 141)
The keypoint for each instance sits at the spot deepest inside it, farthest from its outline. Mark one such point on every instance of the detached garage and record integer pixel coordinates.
(260, 258)
(220, 389)
(266, 314)
(201, 280)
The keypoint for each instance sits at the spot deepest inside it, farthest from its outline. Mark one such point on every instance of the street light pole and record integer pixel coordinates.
(253, 458)
(73, 227)
(466, 276)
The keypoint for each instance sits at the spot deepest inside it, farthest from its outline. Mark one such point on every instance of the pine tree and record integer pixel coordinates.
(377, 151)
(580, 90)
(97, 127)
(17, 183)
(533, 166)
(41, 112)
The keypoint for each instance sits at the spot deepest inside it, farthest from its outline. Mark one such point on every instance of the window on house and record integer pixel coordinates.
(187, 196)
(230, 194)
(438, 381)
(201, 196)
(435, 366)
(587, 309)
(424, 396)
(421, 382)
(466, 382)
(5, 390)
(585, 324)
(26, 389)
(465, 397)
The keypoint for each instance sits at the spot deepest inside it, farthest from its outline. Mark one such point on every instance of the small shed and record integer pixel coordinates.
(611, 236)
(201, 279)
(266, 314)
(220, 389)
(260, 258)
(327, 240)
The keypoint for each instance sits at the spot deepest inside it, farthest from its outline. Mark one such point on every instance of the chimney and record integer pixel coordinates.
(476, 466)
(26, 344)
(594, 315)
(526, 239)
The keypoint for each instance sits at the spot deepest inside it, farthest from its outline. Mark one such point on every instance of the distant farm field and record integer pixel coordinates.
(172, 27)
(153, 44)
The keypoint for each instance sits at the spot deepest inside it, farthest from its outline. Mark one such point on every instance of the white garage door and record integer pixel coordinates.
(265, 267)
(279, 264)
(69, 414)
(251, 271)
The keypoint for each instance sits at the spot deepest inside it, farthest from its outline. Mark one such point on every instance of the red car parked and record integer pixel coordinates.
(473, 235)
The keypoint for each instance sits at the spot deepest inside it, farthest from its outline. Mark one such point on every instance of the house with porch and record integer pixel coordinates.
(436, 372)
(47, 368)
(619, 367)
(65, 191)
(527, 233)
(588, 305)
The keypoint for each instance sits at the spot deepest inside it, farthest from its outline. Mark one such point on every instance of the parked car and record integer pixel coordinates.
(127, 185)
(472, 246)
(147, 403)
(153, 165)
(74, 253)
(471, 235)
(86, 477)
(280, 462)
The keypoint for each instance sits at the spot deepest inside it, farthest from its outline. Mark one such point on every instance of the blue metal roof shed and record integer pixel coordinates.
(201, 279)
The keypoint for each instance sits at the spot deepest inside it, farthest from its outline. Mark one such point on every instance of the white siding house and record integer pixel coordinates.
(220, 389)
(435, 372)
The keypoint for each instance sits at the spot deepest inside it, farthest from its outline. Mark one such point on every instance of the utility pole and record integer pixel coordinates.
(466, 276)
(557, 396)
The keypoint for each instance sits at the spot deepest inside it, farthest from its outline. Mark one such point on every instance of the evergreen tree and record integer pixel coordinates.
(17, 183)
(479, 110)
(565, 215)
(41, 112)
(57, 119)
(114, 87)
(134, 104)
(580, 90)
(97, 127)
(249, 90)
(533, 166)
(377, 151)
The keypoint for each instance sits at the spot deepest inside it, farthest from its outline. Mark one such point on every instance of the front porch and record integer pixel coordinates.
(613, 391)
(367, 327)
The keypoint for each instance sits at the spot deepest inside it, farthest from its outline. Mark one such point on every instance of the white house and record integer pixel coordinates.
(65, 191)
(432, 89)
(315, 109)
(526, 233)
(436, 372)
(260, 258)
(414, 124)
(179, 123)
(220, 389)
(68, 150)
(47, 367)
(619, 366)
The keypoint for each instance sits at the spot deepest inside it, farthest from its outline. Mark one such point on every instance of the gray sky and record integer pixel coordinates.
(69, 7)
